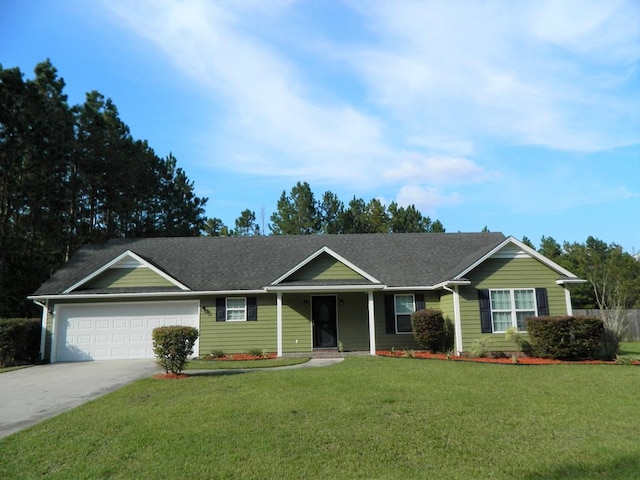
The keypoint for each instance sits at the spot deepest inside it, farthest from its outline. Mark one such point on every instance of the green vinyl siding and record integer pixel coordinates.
(296, 323)
(498, 273)
(446, 305)
(353, 322)
(386, 341)
(325, 267)
(127, 278)
(238, 337)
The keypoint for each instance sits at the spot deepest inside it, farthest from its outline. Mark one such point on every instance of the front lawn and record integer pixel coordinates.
(366, 417)
(198, 364)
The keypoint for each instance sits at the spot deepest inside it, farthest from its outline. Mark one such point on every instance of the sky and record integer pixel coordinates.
(521, 116)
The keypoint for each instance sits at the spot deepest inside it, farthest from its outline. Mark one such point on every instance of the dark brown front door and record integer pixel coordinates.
(324, 317)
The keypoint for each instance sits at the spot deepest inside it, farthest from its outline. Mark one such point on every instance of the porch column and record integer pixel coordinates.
(43, 338)
(279, 324)
(567, 300)
(54, 335)
(457, 320)
(372, 324)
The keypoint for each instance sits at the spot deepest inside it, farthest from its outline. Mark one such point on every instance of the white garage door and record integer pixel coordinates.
(116, 330)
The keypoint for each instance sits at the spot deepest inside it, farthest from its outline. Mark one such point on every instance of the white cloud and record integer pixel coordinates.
(273, 125)
(431, 87)
(525, 73)
(427, 199)
(436, 170)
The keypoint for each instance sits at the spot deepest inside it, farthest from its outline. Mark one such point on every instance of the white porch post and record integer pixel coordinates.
(43, 338)
(279, 324)
(567, 299)
(457, 320)
(372, 324)
(54, 335)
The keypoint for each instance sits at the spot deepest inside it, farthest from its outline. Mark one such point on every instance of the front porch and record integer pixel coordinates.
(342, 320)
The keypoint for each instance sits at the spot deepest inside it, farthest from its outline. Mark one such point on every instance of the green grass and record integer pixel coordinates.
(243, 364)
(366, 417)
(629, 349)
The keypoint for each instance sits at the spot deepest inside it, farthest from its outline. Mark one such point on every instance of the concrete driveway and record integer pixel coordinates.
(30, 395)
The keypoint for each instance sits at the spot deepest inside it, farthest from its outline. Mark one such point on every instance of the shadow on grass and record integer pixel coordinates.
(622, 468)
(210, 373)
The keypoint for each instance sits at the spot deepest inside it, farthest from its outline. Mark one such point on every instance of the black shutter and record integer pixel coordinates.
(252, 309)
(485, 311)
(390, 313)
(542, 302)
(221, 310)
(419, 301)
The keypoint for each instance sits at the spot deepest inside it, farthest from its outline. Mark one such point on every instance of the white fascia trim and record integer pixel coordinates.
(549, 263)
(338, 257)
(570, 281)
(135, 257)
(323, 288)
(437, 286)
(190, 293)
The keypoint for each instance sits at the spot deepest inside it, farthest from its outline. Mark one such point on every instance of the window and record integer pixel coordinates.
(510, 307)
(236, 309)
(404, 307)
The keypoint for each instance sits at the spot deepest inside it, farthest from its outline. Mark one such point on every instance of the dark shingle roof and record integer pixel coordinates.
(248, 263)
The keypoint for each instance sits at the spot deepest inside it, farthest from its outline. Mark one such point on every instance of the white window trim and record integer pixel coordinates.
(395, 313)
(513, 310)
(235, 309)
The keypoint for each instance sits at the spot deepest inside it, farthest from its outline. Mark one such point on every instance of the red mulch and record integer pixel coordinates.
(171, 376)
(503, 360)
(243, 356)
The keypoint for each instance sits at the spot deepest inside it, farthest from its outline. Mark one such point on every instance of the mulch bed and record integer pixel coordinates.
(521, 360)
(241, 356)
(171, 376)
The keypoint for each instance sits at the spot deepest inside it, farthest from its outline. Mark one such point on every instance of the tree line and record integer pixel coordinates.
(71, 175)
(300, 213)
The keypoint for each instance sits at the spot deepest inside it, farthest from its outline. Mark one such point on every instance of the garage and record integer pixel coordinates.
(115, 331)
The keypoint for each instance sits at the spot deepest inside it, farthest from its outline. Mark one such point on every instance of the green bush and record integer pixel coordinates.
(610, 345)
(172, 346)
(429, 329)
(480, 347)
(19, 341)
(566, 337)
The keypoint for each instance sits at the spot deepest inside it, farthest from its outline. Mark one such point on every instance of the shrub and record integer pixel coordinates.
(566, 337)
(428, 329)
(480, 347)
(172, 346)
(19, 341)
(610, 345)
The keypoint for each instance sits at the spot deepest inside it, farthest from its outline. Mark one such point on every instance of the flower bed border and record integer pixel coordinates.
(520, 360)
(239, 357)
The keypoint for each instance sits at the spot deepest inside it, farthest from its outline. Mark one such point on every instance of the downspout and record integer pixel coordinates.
(457, 323)
(43, 334)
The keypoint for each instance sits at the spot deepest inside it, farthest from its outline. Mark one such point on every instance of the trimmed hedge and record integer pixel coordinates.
(429, 329)
(566, 337)
(19, 341)
(172, 346)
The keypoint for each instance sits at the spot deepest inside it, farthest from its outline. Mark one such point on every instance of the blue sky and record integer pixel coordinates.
(523, 116)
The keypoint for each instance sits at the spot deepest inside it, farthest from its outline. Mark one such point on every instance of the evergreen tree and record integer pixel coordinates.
(297, 213)
(246, 225)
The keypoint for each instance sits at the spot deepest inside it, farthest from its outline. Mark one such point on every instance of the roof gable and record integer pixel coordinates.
(323, 265)
(513, 248)
(123, 271)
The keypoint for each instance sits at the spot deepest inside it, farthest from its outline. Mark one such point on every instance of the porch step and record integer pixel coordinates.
(326, 353)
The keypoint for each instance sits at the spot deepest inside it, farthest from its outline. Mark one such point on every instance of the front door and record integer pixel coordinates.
(324, 318)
